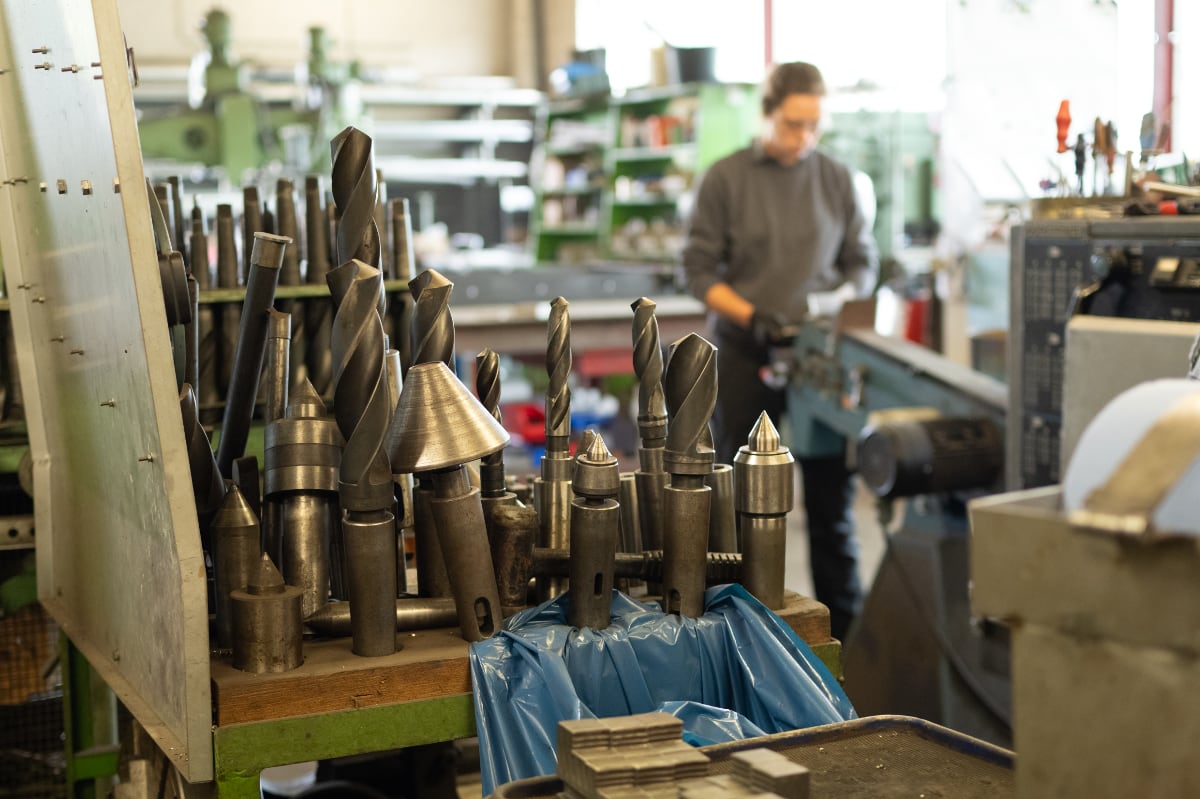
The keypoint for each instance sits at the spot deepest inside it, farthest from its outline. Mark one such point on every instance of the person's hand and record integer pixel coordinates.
(771, 329)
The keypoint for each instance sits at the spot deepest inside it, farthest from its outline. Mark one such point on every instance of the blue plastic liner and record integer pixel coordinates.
(738, 671)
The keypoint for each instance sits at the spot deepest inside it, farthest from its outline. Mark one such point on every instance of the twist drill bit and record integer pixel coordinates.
(289, 275)
(504, 540)
(227, 317)
(595, 523)
(318, 315)
(433, 341)
(363, 412)
(554, 485)
(251, 346)
(355, 195)
(690, 388)
(252, 222)
(235, 555)
(652, 420)
(487, 387)
(763, 489)
(268, 636)
(207, 484)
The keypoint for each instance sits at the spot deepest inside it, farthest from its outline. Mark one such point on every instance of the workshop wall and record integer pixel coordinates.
(446, 38)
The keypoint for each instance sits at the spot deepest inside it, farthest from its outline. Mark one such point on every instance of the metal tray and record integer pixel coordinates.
(878, 757)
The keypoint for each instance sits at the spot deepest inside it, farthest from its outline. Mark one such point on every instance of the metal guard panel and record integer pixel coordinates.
(119, 559)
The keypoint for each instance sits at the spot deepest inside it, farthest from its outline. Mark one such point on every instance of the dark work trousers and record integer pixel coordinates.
(828, 484)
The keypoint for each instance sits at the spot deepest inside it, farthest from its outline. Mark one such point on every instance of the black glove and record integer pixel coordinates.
(771, 329)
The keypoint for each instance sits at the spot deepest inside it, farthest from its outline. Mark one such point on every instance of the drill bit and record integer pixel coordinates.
(763, 479)
(595, 523)
(505, 541)
(207, 484)
(235, 555)
(251, 347)
(487, 386)
(318, 315)
(652, 420)
(554, 485)
(690, 388)
(355, 195)
(433, 325)
(363, 412)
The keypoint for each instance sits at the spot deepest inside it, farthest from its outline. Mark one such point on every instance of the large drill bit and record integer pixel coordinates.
(595, 523)
(318, 315)
(354, 196)
(251, 347)
(652, 420)
(363, 412)
(690, 387)
(402, 507)
(554, 485)
(763, 479)
(287, 224)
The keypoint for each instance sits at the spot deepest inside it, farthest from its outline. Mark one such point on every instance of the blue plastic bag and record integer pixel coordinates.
(737, 671)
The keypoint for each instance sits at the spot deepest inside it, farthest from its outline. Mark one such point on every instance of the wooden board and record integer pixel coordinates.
(432, 664)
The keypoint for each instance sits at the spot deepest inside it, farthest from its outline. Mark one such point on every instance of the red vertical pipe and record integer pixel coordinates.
(768, 33)
(1164, 68)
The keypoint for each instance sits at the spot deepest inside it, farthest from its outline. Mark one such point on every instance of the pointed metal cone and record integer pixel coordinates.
(305, 402)
(764, 438)
(585, 441)
(426, 279)
(265, 579)
(597, 451)
(438, 423)
(596, 472)
(643, 302)
(235, 511)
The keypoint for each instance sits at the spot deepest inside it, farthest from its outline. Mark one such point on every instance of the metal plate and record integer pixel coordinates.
(119, 559)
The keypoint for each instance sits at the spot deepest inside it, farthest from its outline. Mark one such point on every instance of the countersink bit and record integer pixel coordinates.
(433, 341)
(690, 388)
(268, 635)
(289, 275)
(763, 476)
(251, 346)
(554, 485)
(207, 484)
(722, 521)
(235, 557)
(252, 222)
(303, 451)
(354, 196)
(595, 523)
(412, 613)
(438, 427)
(227, 317)
(363, 411)
(403, 261)
(318, 315)
(652, 420)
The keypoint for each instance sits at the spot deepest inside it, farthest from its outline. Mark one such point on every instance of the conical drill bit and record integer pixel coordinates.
(433, 325)
(690, 387)
(355, 195)
(207, 484)
(487, 387)
(318, 315)
(651, 478)
(553, 488)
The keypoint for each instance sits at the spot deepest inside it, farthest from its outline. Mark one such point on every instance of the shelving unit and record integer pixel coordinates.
(652, 144)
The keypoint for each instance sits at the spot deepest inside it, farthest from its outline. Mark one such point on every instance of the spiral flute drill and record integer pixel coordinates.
(506, 546)
(652, 421)
(553, 488)
(363, 412)
(763, 474)
(690, 386)
(354, 195)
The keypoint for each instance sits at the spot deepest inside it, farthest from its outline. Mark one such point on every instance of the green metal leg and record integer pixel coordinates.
(241, 751)
(87, 758)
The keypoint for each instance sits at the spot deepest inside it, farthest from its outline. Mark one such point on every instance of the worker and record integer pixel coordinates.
(777, 235)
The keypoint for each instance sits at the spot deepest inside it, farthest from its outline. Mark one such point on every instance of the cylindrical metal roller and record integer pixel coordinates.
(512, 531)
(333, 620)
(722, 526)
(235, 557)
(932, 456)
(268, 636)
(371, 575)
(251, 346)
(650, 488)
(763, 480)
(306, 519)
(303, 450)
(595, 528)
(462, 533)
(631, 530)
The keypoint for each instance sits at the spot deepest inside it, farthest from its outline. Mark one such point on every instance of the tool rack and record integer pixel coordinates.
(119, 559)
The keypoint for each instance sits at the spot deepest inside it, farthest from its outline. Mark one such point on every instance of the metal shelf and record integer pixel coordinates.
(667, 153)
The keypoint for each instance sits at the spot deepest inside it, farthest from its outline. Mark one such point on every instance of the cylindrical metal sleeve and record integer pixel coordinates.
(722, 524)
(631, 527)
(235, 557)
(512, 531)
(371, 578)
(764, 483)
(307, 521)
(462, 534)
(252, 340)
(556, 497)
(432, 580)
(764, 541)
(333, 620)
(267, 631)
(650, 488)
(301, 455)
(594, 532)
(279, 340)
(685, 541)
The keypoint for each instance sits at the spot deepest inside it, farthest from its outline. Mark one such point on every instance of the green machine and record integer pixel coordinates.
(236, 131)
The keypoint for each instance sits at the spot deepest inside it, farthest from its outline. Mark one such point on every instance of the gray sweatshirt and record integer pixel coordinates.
(776, 233)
